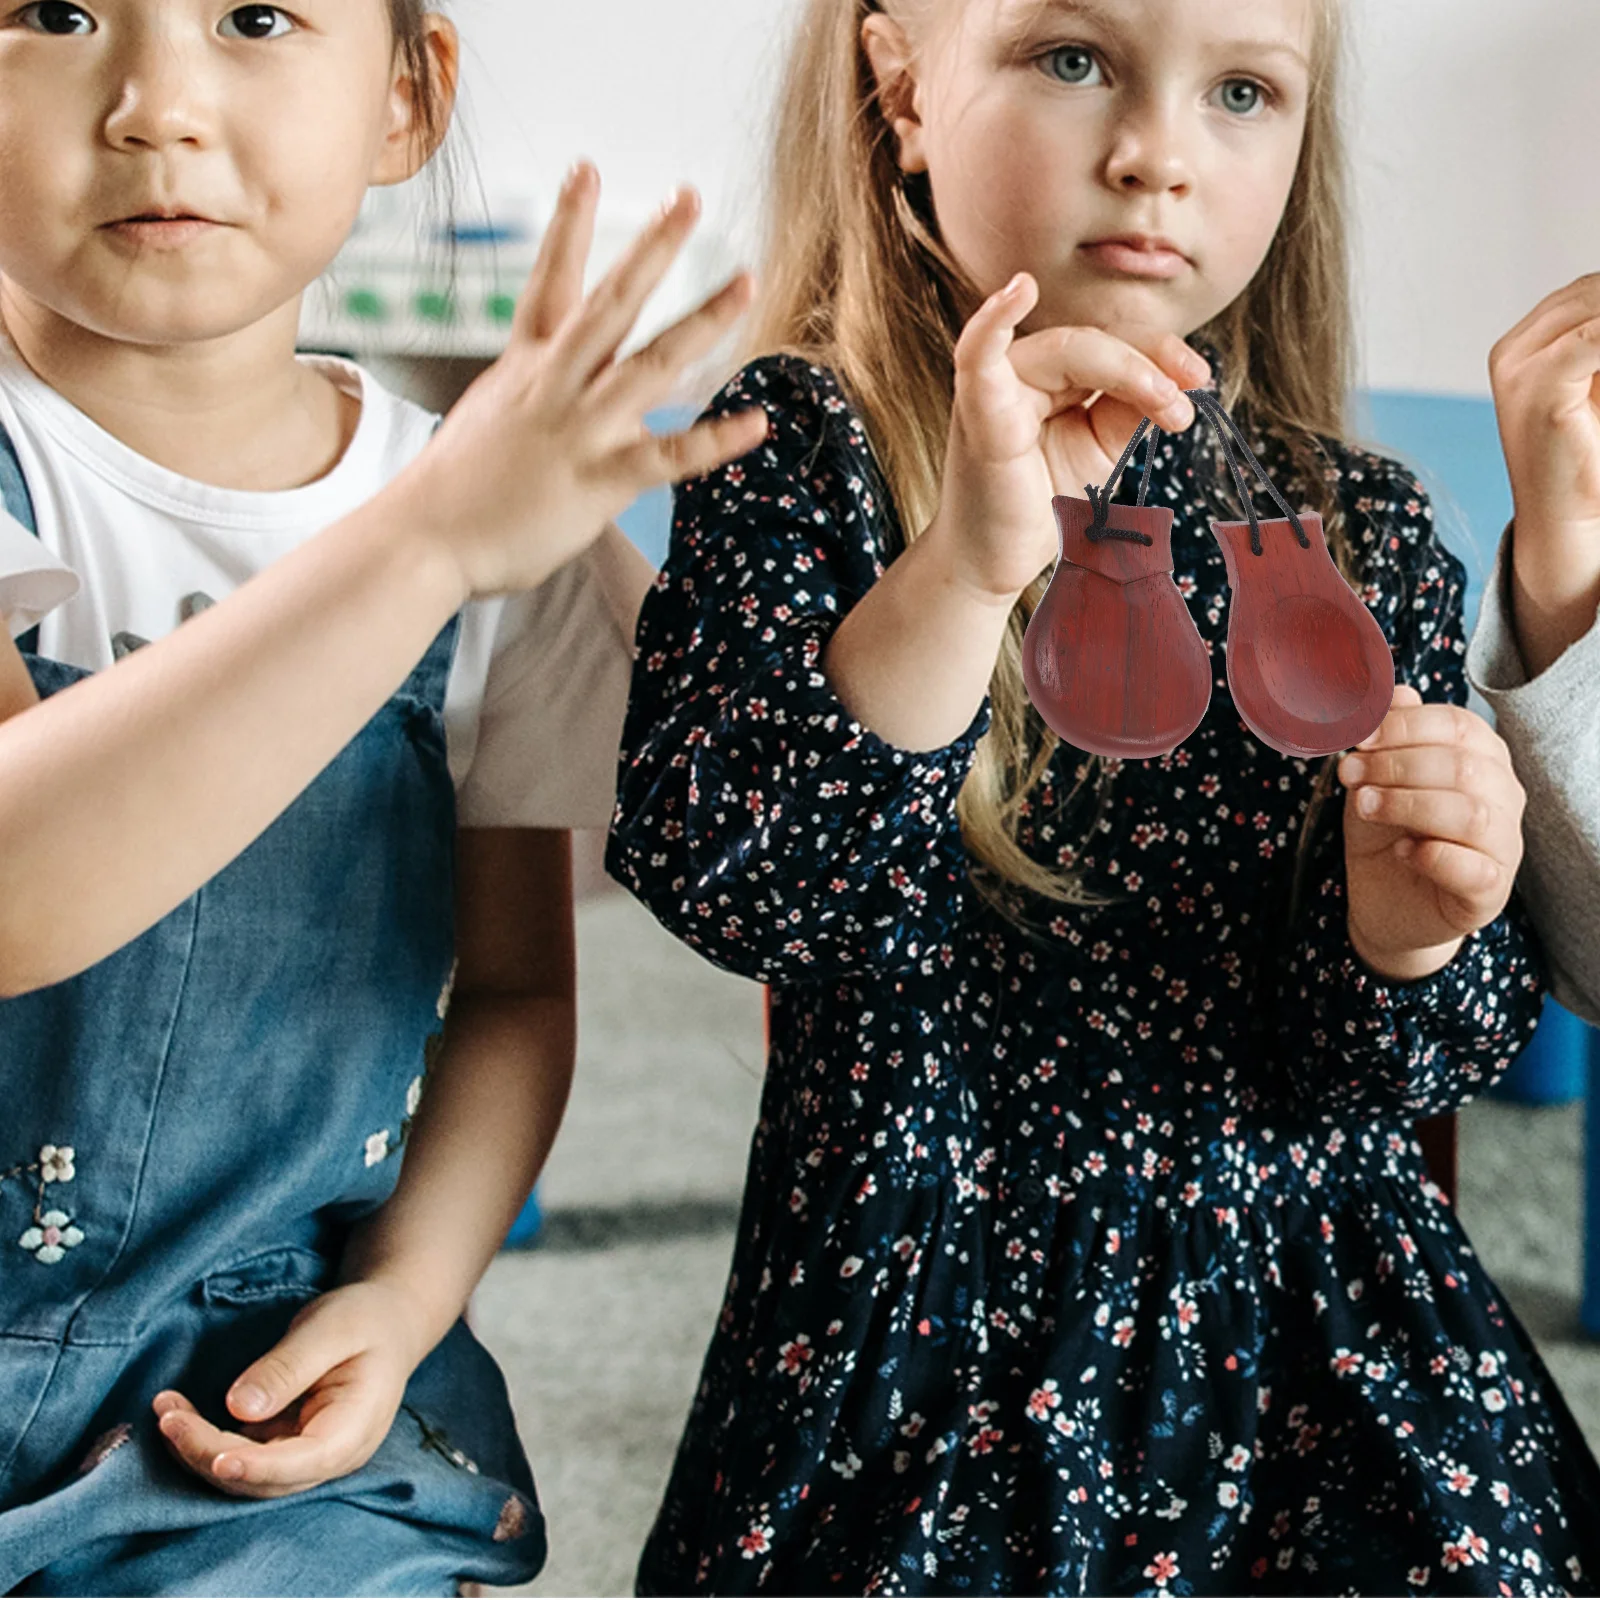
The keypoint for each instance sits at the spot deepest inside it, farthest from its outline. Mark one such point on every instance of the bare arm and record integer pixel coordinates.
(322, 1399)
(185, 751)
(493, 1104)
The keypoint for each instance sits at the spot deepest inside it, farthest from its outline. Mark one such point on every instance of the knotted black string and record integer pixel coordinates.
(1208, 406)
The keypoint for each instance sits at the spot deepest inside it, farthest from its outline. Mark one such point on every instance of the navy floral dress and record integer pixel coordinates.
(1096, 1256)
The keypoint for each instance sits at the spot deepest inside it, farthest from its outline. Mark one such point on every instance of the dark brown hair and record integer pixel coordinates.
(406, 19)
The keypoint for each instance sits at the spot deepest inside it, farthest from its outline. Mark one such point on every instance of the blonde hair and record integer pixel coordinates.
(852, 250)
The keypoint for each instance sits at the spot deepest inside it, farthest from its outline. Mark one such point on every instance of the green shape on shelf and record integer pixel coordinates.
(434, 305)
(501, 307)
(367, 304)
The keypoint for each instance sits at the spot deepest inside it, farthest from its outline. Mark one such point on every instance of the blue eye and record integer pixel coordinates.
(255, 22)
(57, 17)
(1244, 97)
(1072, 64)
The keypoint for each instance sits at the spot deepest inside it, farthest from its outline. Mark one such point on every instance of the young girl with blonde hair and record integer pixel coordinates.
(1086, 1247)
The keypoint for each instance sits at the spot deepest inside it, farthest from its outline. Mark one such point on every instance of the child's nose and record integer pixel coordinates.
(1148, 150)
(159, 94)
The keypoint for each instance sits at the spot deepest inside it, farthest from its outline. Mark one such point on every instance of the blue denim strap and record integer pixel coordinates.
(15, 498)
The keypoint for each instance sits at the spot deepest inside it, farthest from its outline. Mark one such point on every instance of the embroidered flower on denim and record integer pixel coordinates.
(56, 1163)
(438, 1441)
(53, 1232)
(51, 1237)
(381, 1145)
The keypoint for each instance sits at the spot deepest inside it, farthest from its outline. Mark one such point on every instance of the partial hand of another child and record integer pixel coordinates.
(1432, 835)
(1546, 378)
(315, 1406)
(551, 442)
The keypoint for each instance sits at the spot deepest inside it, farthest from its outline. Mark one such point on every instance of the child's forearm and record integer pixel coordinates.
(1555, 588)
(123, 794)
(913, 659)
(489, 1114)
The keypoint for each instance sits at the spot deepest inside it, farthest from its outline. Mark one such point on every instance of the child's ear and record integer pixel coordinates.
(412, 134)
(894, 66)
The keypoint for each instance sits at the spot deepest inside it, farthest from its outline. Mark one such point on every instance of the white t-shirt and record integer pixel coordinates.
(539, 684)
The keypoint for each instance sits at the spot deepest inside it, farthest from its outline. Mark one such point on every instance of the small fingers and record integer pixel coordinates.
(671, 458)
(201, 1447)
(1466, 768)
(649, 376)
(1412, 721)
(1557, 314)
(990, 329)
(1429, 813)
(1468, 875)
(555, 286)
(1069, 364)
(589, 341)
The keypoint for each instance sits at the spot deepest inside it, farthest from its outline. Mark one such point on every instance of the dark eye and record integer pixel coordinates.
(255, 22)
(1242, 96)
(56, 16)
(1072, 64)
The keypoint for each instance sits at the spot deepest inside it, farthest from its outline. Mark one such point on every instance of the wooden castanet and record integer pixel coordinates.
(1308, 666)
(1112, 659)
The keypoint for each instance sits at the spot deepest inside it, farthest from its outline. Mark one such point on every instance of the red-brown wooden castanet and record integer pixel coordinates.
(1112, 659)
(1308, 666)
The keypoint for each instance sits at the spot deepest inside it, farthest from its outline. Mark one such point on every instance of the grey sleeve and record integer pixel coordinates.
(1552, 726)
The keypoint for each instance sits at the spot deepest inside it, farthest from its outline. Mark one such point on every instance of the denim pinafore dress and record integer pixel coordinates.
(189, 1128)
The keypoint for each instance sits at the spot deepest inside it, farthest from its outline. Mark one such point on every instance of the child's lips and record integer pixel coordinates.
(155, 230)
(1136, 258)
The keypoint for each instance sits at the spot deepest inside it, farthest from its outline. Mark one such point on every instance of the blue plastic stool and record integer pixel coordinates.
(1554, 1068)
(525, 1230)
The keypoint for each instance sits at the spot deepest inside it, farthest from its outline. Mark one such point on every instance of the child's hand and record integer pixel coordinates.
(550, 442)
(326, 1395)
(1019, 432)
(1432, 834)
(1546, 379)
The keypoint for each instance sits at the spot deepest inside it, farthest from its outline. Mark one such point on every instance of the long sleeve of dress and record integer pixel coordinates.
(1350, 1040)
(1552, 725)
(756, 818)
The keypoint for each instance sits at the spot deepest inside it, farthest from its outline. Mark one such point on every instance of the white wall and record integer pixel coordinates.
(1475, 143)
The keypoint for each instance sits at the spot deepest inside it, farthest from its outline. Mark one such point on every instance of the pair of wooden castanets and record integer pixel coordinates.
(1115, 665)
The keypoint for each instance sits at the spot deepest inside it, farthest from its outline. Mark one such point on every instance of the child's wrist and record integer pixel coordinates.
(425, 1313)
(1401, 966)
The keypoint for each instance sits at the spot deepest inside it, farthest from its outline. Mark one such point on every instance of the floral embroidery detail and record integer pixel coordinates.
(56, 1163)
(109, 1442)
(381, 1145)
(51, 1237)
(436, 1440)
(513, 1521)
(53, 1232)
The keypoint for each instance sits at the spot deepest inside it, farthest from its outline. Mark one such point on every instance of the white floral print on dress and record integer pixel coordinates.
(377, 1146)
